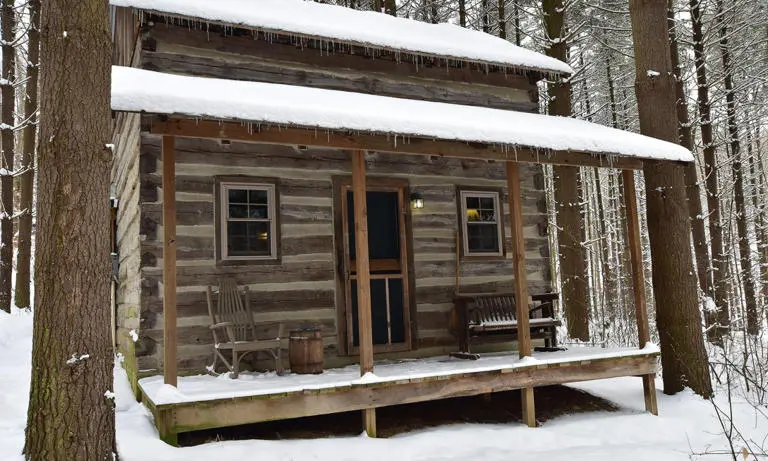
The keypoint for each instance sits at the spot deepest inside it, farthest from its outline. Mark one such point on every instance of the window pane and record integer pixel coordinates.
(257, 196)
(237, 238)
(238, 211)
(249, 239)
(259, 240)
(486, 203)
(257, 212)
(482, 238)
(238, 196)
(472, 203)
(488, 215)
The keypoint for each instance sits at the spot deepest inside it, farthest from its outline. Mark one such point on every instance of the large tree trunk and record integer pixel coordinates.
(717, 321)
(71, 415)
(28, 159)
(573, 271)
(683, 357)
(742, 237)
(6, 173)
(695, 210)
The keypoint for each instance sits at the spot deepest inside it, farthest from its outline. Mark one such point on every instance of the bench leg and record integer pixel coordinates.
(649, 390)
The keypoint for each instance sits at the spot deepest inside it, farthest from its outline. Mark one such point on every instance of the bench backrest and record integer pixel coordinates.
(492, 308)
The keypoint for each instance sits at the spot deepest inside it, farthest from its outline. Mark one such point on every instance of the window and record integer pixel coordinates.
(248, 221)
(481, 223)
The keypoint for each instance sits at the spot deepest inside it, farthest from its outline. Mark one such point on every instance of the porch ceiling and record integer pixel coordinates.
(284, 114)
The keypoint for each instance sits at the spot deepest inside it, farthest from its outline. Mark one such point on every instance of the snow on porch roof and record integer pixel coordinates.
(137, 90)
(365, 28)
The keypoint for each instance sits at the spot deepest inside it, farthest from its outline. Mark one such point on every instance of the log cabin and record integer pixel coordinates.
(357, 173)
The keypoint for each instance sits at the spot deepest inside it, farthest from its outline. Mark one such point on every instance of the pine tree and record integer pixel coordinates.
(683, 357)
(71, 415)
(7, 81)
(566, 181)
(28, 159)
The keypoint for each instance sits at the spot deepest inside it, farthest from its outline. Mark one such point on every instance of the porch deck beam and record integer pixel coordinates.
(245, 132)
(193, 416)
(169, 261)
(638, 282)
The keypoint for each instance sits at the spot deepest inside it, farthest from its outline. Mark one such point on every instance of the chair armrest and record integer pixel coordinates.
(543, 297)
(228, 327)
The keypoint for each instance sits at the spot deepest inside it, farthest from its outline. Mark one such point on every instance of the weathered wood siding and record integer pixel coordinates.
(300, 290)
(181, 50)
(125, 183)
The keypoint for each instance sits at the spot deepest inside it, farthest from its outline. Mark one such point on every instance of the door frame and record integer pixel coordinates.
(341, 184)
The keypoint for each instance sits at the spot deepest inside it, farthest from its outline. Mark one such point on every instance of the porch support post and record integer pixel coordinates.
(521, 282)
(365, 332)
(169, 261)
(638, 281)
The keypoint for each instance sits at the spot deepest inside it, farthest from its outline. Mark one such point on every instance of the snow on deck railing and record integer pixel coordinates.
(136, 90)
(364, 28)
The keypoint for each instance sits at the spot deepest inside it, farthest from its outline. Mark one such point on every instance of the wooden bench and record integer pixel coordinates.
(488, 314)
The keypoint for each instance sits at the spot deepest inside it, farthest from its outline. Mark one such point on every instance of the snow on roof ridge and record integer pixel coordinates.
(369, 28)
(137, 90)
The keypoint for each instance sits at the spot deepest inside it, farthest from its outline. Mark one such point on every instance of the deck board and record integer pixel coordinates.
(204, 402)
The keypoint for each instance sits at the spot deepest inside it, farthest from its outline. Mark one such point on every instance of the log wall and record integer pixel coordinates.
(300, 289)
(125, 184)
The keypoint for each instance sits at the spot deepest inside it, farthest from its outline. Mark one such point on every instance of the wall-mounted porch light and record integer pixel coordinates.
(417, 201)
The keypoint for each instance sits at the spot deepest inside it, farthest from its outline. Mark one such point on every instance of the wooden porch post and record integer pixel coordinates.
(638, 281)
(521, 282)
(365, 332)
(169, 261)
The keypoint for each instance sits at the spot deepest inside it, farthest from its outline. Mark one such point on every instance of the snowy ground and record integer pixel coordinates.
(686, 425)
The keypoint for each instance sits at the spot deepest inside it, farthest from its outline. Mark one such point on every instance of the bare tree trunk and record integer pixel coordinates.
(611, 91)
(8, 95)
(28, 160)
(71, 415)
(390, 7)
(678, 319)
(484, 14)
(502, 20)
(742, 237)
(573, 271)
(719, 320)
(763, 222)
(463, 13)
(518, 32)
(695, 210)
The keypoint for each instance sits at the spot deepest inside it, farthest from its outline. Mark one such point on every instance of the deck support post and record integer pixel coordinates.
(638, 282)
(521, 282)
(169, 261)
(365, 328)
(164, 420)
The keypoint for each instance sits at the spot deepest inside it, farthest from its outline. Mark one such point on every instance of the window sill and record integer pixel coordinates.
(249, 262)
(481, 258)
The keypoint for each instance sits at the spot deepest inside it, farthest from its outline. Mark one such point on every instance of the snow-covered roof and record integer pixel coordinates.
(137, 90)
(365, 28)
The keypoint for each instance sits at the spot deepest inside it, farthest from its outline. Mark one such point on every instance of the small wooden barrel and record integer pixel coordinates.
(305, 351)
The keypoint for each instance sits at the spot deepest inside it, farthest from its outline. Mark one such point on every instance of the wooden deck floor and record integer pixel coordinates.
(204, 402)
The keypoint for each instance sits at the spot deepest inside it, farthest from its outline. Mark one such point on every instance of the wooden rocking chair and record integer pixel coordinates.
(235, 321)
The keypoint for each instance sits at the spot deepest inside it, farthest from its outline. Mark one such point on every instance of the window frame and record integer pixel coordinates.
(462, 193)
(221, 218)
